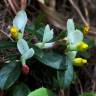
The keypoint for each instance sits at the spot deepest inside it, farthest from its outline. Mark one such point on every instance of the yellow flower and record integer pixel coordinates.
(14, 32)
(79, 61)
(82, 46)
(86, 29)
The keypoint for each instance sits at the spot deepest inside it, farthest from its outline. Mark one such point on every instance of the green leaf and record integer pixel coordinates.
(88, 94)
(20, 20)
(28, 54)
(41, 92)
(21, 90)
(22, 46)
(65, 77)
(70, 26)
(51, 59)
(48, 34)
(9, 74)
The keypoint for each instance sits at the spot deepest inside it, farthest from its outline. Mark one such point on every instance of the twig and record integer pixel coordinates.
(5, 1)
(79, 12)
(15, 4)
(86, 10)
(41, 1)
(8, 35)
(92, 33)
(91, 3)
(12, 6)
(7, 5)
(23, 4)
(52, 4)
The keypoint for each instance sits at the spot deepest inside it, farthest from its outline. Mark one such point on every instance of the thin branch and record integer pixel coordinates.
(91, 3)
(52, 4)
(41, 1)
(23, 4)
(8, 35)
(86, 10)
(79, 12)
(7, 4)
(15, 4)
(12, 6)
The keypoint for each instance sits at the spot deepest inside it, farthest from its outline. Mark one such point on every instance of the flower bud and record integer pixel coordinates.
(86, 29)
(82, 46)
(25, 69)
(79, 61)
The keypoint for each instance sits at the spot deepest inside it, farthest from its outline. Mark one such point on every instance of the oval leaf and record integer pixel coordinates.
(22, 46)
(41, 92)
(50, 59)
(48, 34)
(88, 94)
(28, 54)
(9, 74)
(20, 20)
(65, 77)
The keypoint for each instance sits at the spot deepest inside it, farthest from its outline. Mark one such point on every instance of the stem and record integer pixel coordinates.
(23, 60)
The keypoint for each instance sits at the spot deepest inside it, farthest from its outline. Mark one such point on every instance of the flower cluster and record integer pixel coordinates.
(17, 32)
(75, 43)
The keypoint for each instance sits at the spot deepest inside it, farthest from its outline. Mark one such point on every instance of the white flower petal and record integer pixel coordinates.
(70, 26)
(22, 46)
(48, 34)
(20, 20)
(28, 54)
(75, 37)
